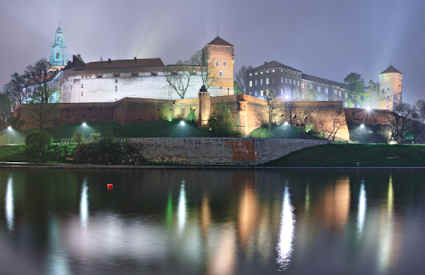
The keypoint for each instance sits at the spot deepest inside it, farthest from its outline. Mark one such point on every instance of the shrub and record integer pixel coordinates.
(37, 144)
(221, 122)
(77, 138)
(106, 151)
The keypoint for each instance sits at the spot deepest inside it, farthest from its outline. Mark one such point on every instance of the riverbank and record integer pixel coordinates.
(354, 155)
(328, 155)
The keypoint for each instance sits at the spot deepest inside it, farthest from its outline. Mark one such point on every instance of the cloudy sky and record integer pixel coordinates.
(327, 38)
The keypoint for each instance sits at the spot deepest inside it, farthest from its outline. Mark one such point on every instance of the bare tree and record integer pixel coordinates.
(336, 126)
(271, 106)
(178, 77)
(241, 78)
(401, 122)
(16, 89)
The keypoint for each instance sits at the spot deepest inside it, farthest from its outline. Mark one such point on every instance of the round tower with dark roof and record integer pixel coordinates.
(391, 87)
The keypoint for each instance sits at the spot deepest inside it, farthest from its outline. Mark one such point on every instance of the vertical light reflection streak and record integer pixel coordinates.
(181, 209)
(361, 209)
(386, 236)
(9, 207)
(84, 205)
(287, 222)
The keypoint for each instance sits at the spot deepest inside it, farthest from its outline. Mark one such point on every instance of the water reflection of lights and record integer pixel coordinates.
(386, 234)
(222, 261)
(9, 204)
(181, 209)
(362, 209)
(287, 225)
(84, 206)
(205, 216)
(336, 203)
(247, 216)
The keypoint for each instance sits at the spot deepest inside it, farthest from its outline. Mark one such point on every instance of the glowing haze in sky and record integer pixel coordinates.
(328, 38)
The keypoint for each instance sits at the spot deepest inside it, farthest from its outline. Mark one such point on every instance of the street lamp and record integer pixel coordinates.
(84, 124)
(182, 123)
(286, 124)
(362, 126)
(9, 128)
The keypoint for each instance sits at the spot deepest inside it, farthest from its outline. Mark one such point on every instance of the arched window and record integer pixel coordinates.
(58, 55)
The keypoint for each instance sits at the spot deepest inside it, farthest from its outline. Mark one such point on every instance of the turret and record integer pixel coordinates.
(204, 106)
(390, 87)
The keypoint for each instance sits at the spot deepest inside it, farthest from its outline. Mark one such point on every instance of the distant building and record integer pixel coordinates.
(58, 58)
(291, 84)
(390, 87)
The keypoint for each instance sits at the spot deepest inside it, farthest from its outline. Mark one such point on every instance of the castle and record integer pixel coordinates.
(135, 90)
(112, 80)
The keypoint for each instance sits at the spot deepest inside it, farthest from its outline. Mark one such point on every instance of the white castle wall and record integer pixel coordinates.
(78, 88)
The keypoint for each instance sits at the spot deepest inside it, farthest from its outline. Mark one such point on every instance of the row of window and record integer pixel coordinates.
(267, 71)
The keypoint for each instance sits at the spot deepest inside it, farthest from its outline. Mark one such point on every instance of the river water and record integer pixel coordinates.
(270, 221)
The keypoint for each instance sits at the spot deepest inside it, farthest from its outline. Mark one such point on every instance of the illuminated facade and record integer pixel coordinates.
(390, 88)
(291, 84)
(112, 80)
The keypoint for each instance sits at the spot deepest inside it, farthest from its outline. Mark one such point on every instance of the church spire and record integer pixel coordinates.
(58, 58)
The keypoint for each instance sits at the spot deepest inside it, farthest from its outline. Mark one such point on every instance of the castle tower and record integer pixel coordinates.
(58, 57)
(204, 106)
(390, 87)
(220, 58)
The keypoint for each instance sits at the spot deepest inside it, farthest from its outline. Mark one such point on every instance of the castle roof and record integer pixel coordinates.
(220, 42)
(323, 80)
(117, 66)
(391, 69)
(124, 64)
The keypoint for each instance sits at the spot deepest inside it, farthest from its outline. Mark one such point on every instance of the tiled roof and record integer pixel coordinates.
(322, 80)
(391, 69)
(125, 63)
(116, 66)
(277, 64)
(220, 41)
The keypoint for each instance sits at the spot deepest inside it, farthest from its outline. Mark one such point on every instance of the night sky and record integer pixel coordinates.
(326, 38)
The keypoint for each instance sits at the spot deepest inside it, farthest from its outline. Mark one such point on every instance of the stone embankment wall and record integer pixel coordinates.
(219, 151)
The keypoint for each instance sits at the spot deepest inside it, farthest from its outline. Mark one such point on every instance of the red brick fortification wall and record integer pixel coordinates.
(373, 117)
(325, 116)
(63, 113)
(248, 113)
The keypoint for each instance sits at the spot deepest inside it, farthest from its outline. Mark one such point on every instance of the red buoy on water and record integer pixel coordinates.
(110, 186)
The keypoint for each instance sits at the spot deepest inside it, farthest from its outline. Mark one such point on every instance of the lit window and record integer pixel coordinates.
(281, 79)
(281, 91)
(261, 92)
(250, 74)
(267, 71)
(256, 73)
(267, 81)
(273, 70)
(250, 83)
(261, 81)
(261, 72)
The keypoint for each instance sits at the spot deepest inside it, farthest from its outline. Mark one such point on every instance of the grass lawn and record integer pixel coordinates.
(362, 155)
(13, 153)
